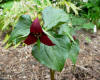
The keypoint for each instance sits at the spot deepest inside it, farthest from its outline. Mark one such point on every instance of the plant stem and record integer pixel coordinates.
(74, 68)
(52, 72)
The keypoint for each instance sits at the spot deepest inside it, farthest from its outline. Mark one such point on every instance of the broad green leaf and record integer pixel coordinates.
(74, 51)
(22, 29)
(53, 57)
(53, 16)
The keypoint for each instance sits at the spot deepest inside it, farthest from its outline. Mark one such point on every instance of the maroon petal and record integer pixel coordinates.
(36, 27)
(45, 40)
(30, 39)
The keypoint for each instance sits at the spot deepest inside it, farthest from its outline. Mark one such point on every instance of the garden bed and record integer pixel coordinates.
(19, 64)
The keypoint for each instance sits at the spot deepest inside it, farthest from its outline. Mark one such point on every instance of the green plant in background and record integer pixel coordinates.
(91, 10)
(88, 39)
(81, 23)
(23, 7)
(68, 6)
(3, 8)
(76, 22)
(55, 26)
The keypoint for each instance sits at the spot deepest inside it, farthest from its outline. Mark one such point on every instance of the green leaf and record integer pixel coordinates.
(77, 21)
(6, 38)
(7, 45)
(88, 26)
(53, 16)
(66, 30)
(74, 51)
(74, 46)
(21, 30)
(53, 57)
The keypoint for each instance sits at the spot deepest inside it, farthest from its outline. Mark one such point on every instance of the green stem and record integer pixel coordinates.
(52, 72)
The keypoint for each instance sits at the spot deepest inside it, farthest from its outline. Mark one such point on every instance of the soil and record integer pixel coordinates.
(19, 64)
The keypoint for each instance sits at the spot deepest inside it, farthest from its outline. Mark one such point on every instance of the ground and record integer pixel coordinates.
(19, 64)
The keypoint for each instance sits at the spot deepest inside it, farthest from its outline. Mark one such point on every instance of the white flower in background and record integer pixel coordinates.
(54, 0)
(27, 2)
(1, 12)
(95, 29)
(85, 0)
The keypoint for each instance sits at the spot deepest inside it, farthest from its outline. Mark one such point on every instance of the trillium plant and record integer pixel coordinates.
(52, 37)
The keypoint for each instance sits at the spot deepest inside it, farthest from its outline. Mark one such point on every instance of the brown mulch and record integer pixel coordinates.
(19, 64)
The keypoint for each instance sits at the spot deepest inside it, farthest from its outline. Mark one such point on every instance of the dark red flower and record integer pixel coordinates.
(36, 33)
(74, 37)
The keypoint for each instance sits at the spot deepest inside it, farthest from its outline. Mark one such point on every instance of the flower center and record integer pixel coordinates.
(37, 35)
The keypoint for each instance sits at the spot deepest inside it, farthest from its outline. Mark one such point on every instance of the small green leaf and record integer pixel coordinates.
(66, 30)
(17, 45)
(53, 16)
(74, 51)
(7, 45)
(6, 38)
(88, 39)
